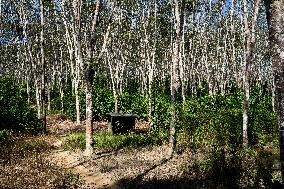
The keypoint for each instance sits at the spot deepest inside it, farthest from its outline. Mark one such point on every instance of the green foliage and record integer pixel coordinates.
(134, 103)
(107, 141)
(69, 106)
(217, 120)
(161, 111)
(103, 102)
(4, 135)
(75, 140)
(262, 120)
(16, 114)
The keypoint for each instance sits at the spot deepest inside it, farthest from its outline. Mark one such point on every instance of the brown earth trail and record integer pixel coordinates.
(71, 160)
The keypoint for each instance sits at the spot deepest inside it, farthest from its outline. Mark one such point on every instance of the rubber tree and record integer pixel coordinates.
(92, 60)
(275, 19)
(249, 33)
(178, 14)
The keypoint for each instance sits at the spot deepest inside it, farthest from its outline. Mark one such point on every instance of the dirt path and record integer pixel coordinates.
(73, 160)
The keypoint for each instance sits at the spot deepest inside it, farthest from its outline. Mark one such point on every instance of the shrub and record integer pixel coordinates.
(217, 119)
(134, 103)
(103, 102)
(4, 135)
(161, 111)
(107, 141)
(16, 114)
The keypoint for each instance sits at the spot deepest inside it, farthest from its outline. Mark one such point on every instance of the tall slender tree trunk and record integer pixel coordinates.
(43, 63)
(249, 45)
(114, 81)
(89, 74)
(78, 55)
(275, 19)
(38, 98)
(178, 8)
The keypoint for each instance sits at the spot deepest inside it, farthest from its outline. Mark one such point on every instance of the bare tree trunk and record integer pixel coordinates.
(43, 63)
(38, 99)
(48, 99)
(61, 91)
(78, 55)
(178, 9)
(1, 31)
(182, 64)
(89, 74)
(275, 19)
(113, 84)
(273, 91)
(250, 42)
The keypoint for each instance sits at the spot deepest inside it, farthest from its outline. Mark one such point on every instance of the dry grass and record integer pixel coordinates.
(22, 165)
(60, 124)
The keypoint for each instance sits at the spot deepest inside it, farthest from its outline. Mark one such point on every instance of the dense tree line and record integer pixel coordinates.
(146, 46)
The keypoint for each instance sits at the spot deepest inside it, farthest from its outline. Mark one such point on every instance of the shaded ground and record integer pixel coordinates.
(60, 125)
(143, 167)
(41, 162)
(23, 165)
(70, 160)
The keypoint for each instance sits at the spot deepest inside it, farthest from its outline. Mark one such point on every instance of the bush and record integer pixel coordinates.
(161, 111)
(103, 102)
(75, 140)
(16, 114)
(217, 120)
(134, 103)
(107, 141)
(4, 135)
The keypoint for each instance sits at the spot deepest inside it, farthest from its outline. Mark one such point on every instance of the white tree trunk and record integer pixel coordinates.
(250, 42)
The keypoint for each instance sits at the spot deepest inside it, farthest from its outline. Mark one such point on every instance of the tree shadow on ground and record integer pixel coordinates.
(182, 183)
(222, 174)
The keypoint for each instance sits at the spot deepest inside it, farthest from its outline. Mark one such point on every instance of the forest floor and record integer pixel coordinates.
(142, 167)
(43, 162)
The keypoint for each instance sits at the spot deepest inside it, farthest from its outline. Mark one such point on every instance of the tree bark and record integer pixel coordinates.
(249, 45)
(89, 74)
(178, 8)
(43, 63)
(275, 19)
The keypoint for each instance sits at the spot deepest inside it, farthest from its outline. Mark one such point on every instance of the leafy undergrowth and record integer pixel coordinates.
(225, 167)
(22, 165)
(5, 135)
(107, 141)
(204, 167)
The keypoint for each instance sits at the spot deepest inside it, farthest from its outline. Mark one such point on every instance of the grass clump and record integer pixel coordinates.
(107, 141)
(75, 140)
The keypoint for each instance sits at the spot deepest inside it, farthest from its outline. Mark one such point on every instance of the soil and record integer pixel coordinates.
(143, 167)
(125, 168)
(71, 160)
